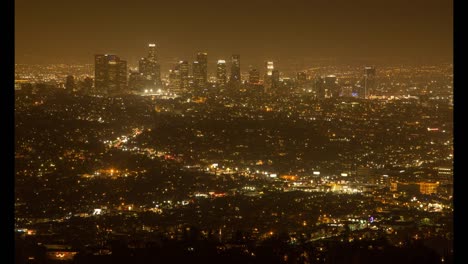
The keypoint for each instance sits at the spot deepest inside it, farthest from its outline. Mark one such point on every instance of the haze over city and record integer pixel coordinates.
(234, 132)
(60, 32)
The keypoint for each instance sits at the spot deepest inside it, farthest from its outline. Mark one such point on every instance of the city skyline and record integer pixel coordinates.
(418, 30)
(300, 132)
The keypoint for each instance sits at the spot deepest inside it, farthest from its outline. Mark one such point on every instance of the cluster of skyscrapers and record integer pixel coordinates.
(111, 73)
(111, 77)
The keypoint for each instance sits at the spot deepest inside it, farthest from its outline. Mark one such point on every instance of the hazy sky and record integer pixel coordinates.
(70, 31)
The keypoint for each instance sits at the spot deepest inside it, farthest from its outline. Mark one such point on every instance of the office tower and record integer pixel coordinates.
(330, 80)
(183, 68)
(235, 69)
(301, 78)
(221, 77)
(85, 86)
(269, 68)
(149, 67)
(347, 91)
(319, 87)
(268, 74)
(202, 58)
(197, 74)
(369, 71)
(174, 78)
(70, 84)
(286, 83)
(275, 79)
(331, 87)
(154, 68)
(254, 76)
(445, 174)
(369, 82)
(136, 81)
(110, 74)
(152, 52)
(100, 73)
(144, 68)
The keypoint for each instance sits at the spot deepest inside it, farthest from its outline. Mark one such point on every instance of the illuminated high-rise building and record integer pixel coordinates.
(221, 76)
(445, 174)
(268, 75)
(136, 81)
(144, 68)
(428, 187)
(152, 56)
(174, 78)
(369, 83)
(197, 74)
(254, 76)
(85, 86)
(369, 71)
(149, 67)
(275, 79)
(301, 78)
(202, 58)
(286, 84)
(269, 68)
(347, 91)
(235, 69)
(331, 87)
(330, 80)
(183, 68)
(70, 83)
(110, 74)
(319, 87)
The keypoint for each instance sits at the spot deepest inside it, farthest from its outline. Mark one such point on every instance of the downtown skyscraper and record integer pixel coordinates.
(202, 77)
(369, 82)
(268, 79)
(197, 74)
(221, 77)
(149, 67)
(183, 68)
(254, 76)
(110, 74)
(235, 69)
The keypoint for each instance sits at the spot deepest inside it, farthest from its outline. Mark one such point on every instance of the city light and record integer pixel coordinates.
(296, 133)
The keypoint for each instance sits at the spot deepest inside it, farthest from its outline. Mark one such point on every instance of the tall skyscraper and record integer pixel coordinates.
(369, 71)
(136, 81)
(275, 79)
(197, 74)
(319, 87)
(369, 83)
(86, 85)
(150, 68)
(144, 68)
(301, 78)
(174, 78)
(269, 68)
(110, 74)
(183, 68)
(347, 91)
(221, 77)
(235, 69)
(202, 58)
(152, 52)
(268, 74)
(331, 87)
(254, 76)
(70, 84)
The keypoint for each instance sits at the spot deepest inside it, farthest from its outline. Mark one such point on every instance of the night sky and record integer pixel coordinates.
(65, 31)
